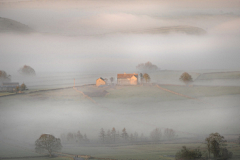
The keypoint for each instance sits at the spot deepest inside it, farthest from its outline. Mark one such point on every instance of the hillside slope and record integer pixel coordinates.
(8, 25)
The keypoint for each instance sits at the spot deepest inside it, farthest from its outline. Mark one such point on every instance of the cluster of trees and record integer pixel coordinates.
(75, 137)
(27, 70)
(21, 88)
(148, 66)
(216, 145)
(113, 136)
(144, 77)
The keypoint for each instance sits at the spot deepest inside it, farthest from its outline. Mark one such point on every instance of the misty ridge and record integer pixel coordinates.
(169, 76)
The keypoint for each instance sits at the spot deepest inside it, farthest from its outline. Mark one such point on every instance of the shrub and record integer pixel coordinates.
(186, 154)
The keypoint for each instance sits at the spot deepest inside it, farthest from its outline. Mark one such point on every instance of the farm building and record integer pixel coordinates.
(127, 79)
(8, 87)
(100, 81)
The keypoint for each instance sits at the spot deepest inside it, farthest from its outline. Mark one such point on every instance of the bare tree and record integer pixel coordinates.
(49, 143)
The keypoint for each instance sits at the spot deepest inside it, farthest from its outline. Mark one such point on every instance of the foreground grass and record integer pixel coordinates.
(144, 152)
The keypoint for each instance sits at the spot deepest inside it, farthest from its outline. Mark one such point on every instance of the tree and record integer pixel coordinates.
(23, 87)
(216, 144)
(27, 70)
(4, 77)
(186, 78)
(187, 154)
(108, 136)
(169, 133)
(85, 139)
(141, 77)
(70, 136)
(156, 134)
(124, 134)
(49, 143)
(102, 135)
(111, 79)
(17, 89)
(135, 136)
(113, 133)
(79, 136)
(146, 77)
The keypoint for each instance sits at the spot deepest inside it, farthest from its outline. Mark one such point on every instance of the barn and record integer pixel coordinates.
(127, 79)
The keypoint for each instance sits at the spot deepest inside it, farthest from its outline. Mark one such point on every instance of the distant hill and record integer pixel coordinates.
(191, 30)
(8, 25)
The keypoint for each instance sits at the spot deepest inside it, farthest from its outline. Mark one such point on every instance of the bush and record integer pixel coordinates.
(186, 154)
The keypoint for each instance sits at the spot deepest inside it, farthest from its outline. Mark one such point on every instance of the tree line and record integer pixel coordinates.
(114, 136)
(77, 137)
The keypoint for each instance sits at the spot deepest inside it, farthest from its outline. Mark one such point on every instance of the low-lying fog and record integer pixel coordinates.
(89, 39)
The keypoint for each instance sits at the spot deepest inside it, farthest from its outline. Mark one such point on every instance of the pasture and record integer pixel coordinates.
(24, 117)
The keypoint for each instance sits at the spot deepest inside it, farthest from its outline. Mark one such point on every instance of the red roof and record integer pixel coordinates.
(125, 76)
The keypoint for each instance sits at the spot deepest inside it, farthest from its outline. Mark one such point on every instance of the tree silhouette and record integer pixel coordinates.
(111, 79)
(186, 78)
(102, 135)
(113, 133)
(146, 77)
(124, 134)
(49, 143)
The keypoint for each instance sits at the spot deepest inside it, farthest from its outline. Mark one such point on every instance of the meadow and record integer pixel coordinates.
(193, 113)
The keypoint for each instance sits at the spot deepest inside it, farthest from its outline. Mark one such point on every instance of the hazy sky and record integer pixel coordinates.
(95, 35)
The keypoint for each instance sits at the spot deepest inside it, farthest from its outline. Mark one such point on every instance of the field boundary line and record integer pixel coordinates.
(84, 95)
(179, 94)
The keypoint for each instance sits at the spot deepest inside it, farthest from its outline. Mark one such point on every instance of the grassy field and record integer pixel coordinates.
(144, 152)
(137, 108)
(219, 75)
(203, 91)
(6, 93)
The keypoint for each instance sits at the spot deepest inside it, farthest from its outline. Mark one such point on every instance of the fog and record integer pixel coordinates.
(90, 35)
(84, 40)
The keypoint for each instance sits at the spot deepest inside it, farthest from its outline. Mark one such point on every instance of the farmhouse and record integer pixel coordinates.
(8, 87)
(100, 81)
(127, 79)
